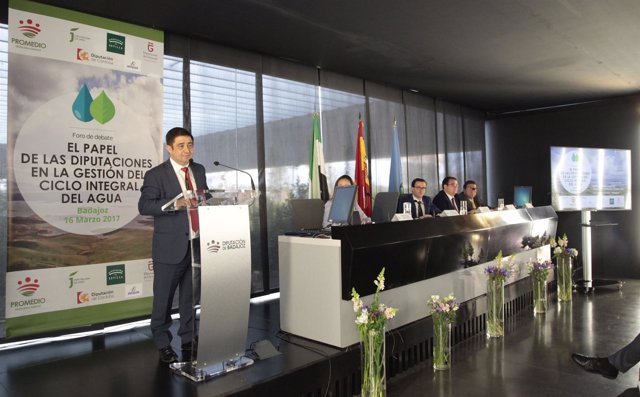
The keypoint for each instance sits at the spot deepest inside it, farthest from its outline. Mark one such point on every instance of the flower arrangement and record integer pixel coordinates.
(496, 276)
(539, 272)
(443, 313)
(560, 247)
(499, 272)
(370, 321)
(375, 315)
(445, 307)
(563, 255)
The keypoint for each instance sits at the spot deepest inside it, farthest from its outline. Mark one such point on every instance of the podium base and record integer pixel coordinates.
(191, 371)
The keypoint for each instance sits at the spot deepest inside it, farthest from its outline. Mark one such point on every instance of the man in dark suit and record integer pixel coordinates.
(421, 205)
(171, 248)
(445, 199)
(470, 195)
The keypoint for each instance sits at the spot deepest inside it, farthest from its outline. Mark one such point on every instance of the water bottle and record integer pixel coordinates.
(463, 207)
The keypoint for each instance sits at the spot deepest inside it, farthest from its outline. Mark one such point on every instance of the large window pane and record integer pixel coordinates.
(340, 112)
(385, 106)
(421, 142)
(288, 122)
(223, 122)
(172, 108)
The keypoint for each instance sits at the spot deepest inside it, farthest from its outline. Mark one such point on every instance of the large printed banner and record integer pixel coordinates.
(84, 125)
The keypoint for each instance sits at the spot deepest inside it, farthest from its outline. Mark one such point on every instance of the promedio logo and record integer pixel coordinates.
(115, 274)
(115, 43)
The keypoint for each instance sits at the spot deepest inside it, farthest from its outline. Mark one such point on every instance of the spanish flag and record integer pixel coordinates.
(362, 172)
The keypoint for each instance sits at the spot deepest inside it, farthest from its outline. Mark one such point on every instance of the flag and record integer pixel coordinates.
(318, 187)
(395, 172)
(362, 172)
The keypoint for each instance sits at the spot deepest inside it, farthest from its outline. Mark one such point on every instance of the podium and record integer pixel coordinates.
(221, 281)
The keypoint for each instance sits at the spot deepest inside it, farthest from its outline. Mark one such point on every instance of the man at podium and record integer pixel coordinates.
(171, 248)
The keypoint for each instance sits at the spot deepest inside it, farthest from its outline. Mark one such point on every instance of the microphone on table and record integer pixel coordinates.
(217, 163)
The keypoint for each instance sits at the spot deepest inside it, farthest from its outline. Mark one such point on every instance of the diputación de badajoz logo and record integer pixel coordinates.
(225, 245)
(100, 109)
(29, 28)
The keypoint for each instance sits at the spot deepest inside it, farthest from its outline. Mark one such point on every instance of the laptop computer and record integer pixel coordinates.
(307, 213)
(384, 206)
(341, 212)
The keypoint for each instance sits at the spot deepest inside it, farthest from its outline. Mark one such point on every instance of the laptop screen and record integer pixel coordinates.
(342, 205)
(384, 206)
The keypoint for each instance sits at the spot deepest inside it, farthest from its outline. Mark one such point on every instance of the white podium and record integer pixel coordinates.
(224, 286)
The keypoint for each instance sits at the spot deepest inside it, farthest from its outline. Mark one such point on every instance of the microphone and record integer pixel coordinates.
(217, 163)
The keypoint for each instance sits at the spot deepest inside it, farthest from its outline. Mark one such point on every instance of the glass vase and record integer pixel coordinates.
(563, 278)
(372, 348)
(441, 342)
(539, 295)
(495, 308)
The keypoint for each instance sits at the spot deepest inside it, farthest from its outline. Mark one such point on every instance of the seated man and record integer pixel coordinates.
(344, 180)
(470, 194)
(445, 199)
(421, 205)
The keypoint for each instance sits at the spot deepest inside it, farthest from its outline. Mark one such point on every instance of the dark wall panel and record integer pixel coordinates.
(518, 154)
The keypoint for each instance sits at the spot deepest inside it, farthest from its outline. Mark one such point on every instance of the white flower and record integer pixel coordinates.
(390, 313)
(357, 304)
(363, 318)
(379, 283)
(557, 251)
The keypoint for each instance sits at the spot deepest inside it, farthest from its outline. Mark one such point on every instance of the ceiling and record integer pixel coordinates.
(492, 55)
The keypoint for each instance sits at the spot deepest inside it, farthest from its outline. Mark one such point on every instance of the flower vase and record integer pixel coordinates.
(441, 342)
(495, 308)
(563, 278)
(539, 296)
(372, 347)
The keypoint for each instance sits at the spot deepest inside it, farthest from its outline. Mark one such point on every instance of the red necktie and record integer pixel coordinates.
(193, 211)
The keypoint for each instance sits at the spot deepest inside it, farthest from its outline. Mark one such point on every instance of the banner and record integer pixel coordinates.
(84, 125)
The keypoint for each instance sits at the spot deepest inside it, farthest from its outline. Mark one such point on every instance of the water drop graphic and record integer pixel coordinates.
(102, 109)
(81, 106)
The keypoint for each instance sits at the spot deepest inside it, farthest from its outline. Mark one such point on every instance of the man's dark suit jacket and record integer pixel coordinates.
(427, 205)
(441, 200)
(171, 230)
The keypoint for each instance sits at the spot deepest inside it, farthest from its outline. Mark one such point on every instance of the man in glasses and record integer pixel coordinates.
(470, 194)
(421, 205)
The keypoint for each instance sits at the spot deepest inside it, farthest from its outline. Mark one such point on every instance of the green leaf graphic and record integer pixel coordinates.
(102, 109)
